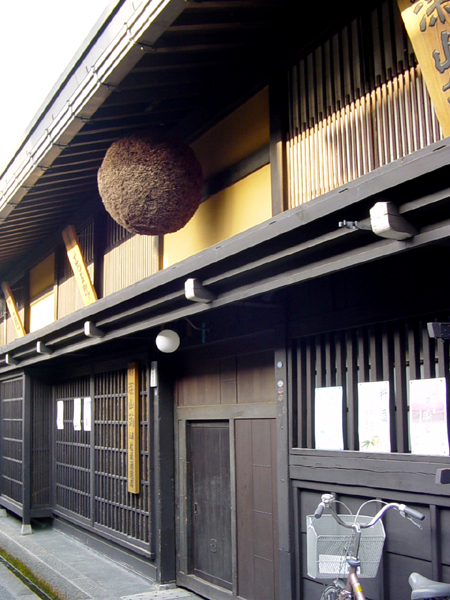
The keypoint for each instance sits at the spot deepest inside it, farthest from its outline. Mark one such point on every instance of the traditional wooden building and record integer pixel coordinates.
(301, 288)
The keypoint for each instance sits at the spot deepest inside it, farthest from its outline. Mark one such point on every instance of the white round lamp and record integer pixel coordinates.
(167, 341)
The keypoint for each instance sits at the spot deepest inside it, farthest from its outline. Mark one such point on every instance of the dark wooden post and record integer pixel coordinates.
(278, 109)
(164, 483)
(284, 496)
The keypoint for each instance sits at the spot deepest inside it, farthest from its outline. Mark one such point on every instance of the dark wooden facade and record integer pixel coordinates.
(228, 464)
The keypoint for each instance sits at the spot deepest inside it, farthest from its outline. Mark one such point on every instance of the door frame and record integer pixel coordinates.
(183, 417)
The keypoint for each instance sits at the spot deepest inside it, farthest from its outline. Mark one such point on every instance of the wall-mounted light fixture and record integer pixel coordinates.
(41, 348)
(9, 360)
(194, 290)
(90, 330)
(385, 221)
(167, 341)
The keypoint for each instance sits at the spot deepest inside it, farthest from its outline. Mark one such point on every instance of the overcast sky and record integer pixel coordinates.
(38, 38)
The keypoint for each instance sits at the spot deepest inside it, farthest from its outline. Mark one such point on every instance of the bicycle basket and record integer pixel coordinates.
(328, 544)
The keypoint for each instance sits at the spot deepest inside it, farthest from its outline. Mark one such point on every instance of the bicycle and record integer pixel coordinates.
(334, 552)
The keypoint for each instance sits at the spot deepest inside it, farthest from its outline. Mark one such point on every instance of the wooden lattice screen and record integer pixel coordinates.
(357, 102)
(115, 508)
(11, 414)
(72, 454)
(91, 466)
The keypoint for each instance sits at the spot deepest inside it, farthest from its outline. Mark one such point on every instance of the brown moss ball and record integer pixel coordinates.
(150, 184)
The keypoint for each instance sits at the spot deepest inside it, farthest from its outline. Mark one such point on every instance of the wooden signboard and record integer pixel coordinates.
(12, 308)
(78, 265)
(133, 428)
(428, 27)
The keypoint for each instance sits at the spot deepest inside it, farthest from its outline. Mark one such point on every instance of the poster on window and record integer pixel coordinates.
(428, 416)
(328, 418)
(77, 414)
(87, 414)
(373, 416)
(60, 414)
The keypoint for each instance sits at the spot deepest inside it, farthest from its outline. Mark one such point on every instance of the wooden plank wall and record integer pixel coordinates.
(128, 258)
(355, 478)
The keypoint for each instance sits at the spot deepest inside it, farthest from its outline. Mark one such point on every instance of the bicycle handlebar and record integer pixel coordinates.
(405, 511)
(415, 514)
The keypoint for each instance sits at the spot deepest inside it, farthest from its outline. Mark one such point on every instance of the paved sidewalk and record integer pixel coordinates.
(75, 571)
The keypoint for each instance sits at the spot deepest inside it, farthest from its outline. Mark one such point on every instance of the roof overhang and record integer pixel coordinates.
(294, 247)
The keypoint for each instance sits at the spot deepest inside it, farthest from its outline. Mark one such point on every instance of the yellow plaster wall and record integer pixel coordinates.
(42, 276)
(42, 297)
(237, 136)
(240, 206)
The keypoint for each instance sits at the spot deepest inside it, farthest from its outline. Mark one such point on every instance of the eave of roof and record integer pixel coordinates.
(87, 83)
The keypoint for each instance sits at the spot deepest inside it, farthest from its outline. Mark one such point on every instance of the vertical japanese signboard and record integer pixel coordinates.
(78, 265)
(428, 25)
(12, 309)
(133, 428)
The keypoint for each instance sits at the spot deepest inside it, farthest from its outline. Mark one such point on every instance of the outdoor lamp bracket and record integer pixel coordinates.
(194, 290)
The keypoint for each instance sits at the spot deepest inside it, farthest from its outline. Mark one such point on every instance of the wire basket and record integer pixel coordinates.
(328, 545)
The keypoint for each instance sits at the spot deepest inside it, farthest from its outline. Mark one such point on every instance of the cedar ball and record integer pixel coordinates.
(150, 184)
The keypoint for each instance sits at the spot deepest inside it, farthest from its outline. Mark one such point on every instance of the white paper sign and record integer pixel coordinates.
(428, 416)
(328, 418)
(60, 414)
(373, 416)
(87, 414)
(77, 414)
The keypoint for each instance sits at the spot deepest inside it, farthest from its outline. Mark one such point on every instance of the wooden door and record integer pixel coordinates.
(256, 504)
(210, 502)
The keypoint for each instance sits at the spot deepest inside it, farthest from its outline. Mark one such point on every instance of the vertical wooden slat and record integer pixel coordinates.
(360, 104)
(400, 389)
(352, 390)
(341, 380)
(310, 387)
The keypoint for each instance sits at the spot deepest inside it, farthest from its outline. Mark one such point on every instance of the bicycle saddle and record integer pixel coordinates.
(423, 588)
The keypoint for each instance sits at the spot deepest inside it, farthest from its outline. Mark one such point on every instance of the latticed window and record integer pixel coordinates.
(395, 353)
(356, 103)
(11, 460)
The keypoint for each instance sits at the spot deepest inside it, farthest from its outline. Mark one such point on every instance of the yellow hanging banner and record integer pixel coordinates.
(78, 265)
(133, 428)
(12, 308)
(428, 26)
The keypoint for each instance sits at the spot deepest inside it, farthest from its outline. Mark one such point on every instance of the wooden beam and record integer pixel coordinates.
(78, 265)
(12, 308)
